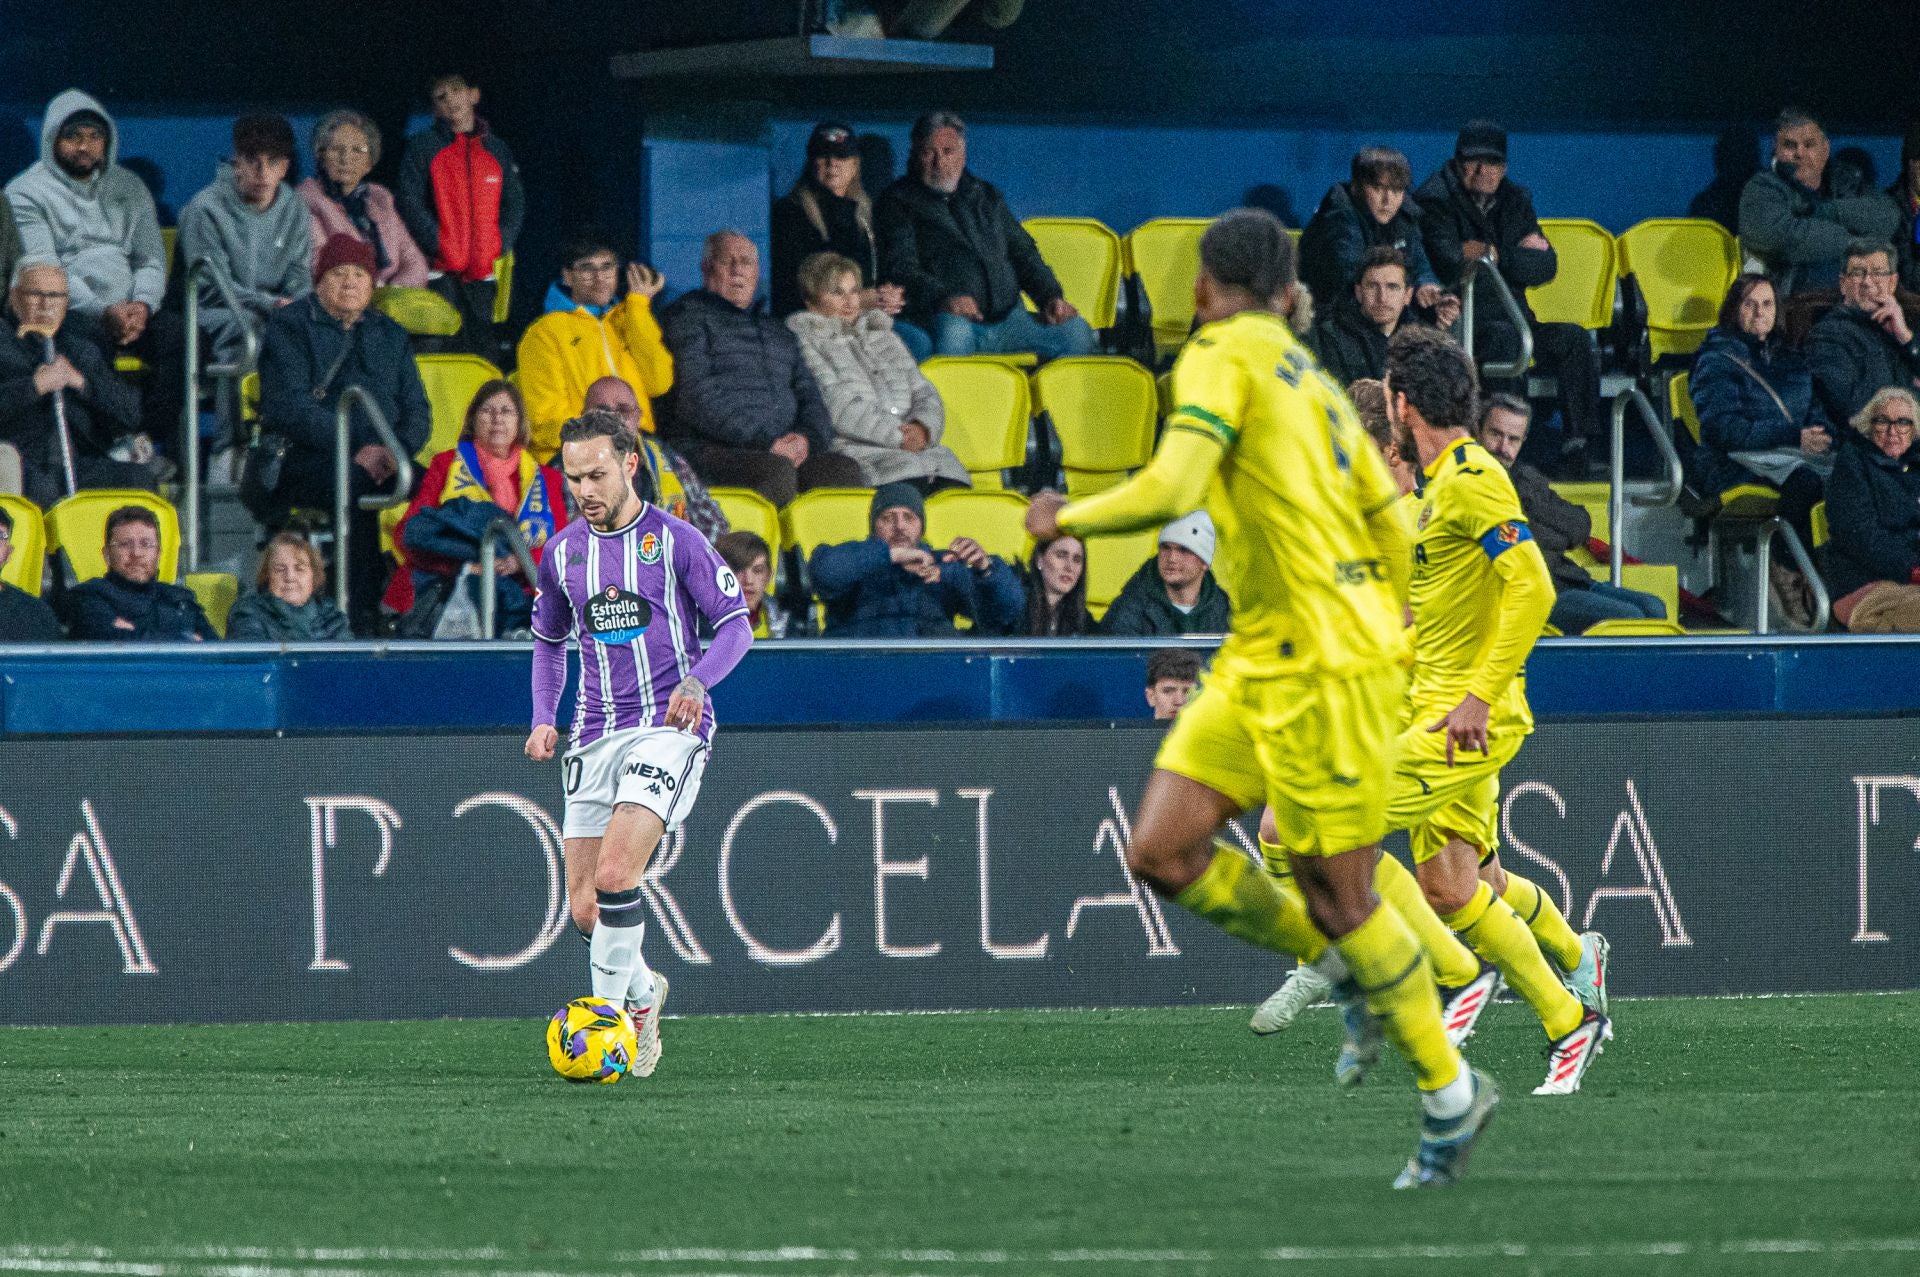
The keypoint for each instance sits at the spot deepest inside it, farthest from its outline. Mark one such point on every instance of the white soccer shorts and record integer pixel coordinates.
(657, 767)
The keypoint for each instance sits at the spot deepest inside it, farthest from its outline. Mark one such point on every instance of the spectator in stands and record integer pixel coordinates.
(950, 238)
(894, 585)
(489, 475)
(1174, 592)
(341, 201)
(1798, 214)
(1368, 212)
(1352, 340)
(676, 488)
(130, 604)
(828, 210)
(1057, 589)
(254, 230)
(1866, 342)
(745, 409)
(1873, 515)
(288, 602)
(1759, 420)
(314, 350)
(751, 559)
(461, 199)
(584, 336)
(24, 618)
(1472, 215)
(1369, 397)
(82, 209)
(1172, 674)
(100, 410)
(1558, 526)
(886, 415)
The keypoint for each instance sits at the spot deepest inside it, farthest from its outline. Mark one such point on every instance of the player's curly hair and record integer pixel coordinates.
(598, 423)
(1435, 375)
(1249, 248)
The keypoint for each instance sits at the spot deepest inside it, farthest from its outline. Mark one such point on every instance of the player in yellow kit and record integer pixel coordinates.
(1301, 706)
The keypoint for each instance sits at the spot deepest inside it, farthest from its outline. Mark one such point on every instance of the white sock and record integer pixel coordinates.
(1453, 1099)
(615, 950)
(640, 991)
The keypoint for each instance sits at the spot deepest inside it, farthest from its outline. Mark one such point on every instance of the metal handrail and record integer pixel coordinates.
(342, 460)
(1504, 295)
(1617, 473)
(1763, 566)
(502, 527)
(200, 268)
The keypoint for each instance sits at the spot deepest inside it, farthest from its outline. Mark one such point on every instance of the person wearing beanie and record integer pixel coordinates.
(1472, 216)
(253, 229)
(315, 348)
(1905, 193)
(895, 585)
(1173, 593)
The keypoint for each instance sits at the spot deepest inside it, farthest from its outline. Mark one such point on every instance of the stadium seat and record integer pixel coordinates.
(826, 516)
(1164, 256)
(997, 520)
(1818, 518)
(217, 592)
(1755, 500)
(1684, 266)
(748, 511)
(170, 236)
(1111, 560)
(502, 287)
(1662, 580)
(1581, 292)
(250, 398)
(1104, 410)
(77, 525)
(421, 311)
(1634, 629)
(29, 560)
(1085, 256)
(989, 412)
(451, 381)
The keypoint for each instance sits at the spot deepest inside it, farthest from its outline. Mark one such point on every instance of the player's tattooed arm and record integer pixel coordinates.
(687, 703)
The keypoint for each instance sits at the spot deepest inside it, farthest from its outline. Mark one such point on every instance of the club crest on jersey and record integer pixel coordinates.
(649, 548)
(1508, 534)
(616, 616)
(1426, 517)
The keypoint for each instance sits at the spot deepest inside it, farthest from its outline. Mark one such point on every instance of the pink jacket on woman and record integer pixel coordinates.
(406, 265)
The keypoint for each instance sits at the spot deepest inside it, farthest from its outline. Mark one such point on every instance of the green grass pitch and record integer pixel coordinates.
(1750, 1136)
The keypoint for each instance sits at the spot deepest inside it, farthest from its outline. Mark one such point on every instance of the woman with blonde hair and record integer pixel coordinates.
(1873, 519)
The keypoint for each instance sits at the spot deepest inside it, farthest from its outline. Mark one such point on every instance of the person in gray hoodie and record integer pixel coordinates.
(253, 229)
(79, 207)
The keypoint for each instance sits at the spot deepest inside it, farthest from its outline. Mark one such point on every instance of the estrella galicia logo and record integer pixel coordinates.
(616, 616)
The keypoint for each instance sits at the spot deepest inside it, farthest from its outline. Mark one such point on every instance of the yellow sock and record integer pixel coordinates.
(1453, 963)
(1238, 898)
(1544, 919)
(1275, 857)
(1387, 963)
(1496, 933)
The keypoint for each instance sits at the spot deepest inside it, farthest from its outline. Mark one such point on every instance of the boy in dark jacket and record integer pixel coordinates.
(1369, 212)
(893, 585)
(1174, 592)
(130, 604)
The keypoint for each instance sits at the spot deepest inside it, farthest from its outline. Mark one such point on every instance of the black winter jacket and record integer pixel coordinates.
(1450, 216)
(1852, 357)
(967, 244)
(1873, 518)
(1350, 345)
(1558, 525)
(112, 609)
(795, 238)
(1340, 234)
(1143, 609)
(304, 342)
(738, 379)
(96, 416)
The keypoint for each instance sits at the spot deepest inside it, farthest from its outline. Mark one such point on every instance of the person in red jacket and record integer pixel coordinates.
(460, 196)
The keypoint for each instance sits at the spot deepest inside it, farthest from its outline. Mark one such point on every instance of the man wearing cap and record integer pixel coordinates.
(1174, 592)
(254, 230)
(1472, 216)
(894, 585)
(315, 349)
(79, 208)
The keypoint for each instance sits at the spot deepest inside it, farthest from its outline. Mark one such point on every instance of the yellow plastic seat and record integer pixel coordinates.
(1684, 266)
(997, 520)
(170, 237)
(502, 286)
(825, 516)
(1753, 500)
(748, 511)
(989, 411)
(29, 561)
(217, 592)
(1165, 254)
(1818, 518)
(1680, 404)
(451, 382)
(1112, 560)
(1635, 628)
(250, 398)
(421, 311)
(1085, 256)
(1662, 580)
(1104, 410)
(1581, 291)
(78, 526)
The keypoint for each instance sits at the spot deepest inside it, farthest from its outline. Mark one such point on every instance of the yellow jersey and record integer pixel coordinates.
(1290, 502)
(1469, 523)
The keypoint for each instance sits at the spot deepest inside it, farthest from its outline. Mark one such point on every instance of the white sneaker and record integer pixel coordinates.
(1588, 982)
(1460, 1008)
(646, 1026)
(1567, 1059)
(1304, 987)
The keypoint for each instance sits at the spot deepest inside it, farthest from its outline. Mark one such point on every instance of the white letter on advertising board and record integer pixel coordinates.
(1527, 852)
(1867, 789)
(829, 939)
(680, 937)
(14, 902)
(1033, 948)
(323, 813)
(1632, 823)
(1114, 834)
(90, 847)
(547, 835)
(884, 869)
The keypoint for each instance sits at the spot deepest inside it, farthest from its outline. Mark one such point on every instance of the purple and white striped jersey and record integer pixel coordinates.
(634, 599)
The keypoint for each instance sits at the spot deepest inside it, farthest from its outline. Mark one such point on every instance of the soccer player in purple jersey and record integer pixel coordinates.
(631, 584)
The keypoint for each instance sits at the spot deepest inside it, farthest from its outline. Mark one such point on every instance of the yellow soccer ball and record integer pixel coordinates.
(591, 1040)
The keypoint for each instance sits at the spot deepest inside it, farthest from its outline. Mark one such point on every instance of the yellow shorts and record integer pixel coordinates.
(1435, 803)
(1318, 750)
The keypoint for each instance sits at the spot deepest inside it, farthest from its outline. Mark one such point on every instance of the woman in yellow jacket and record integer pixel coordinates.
(584, 337)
